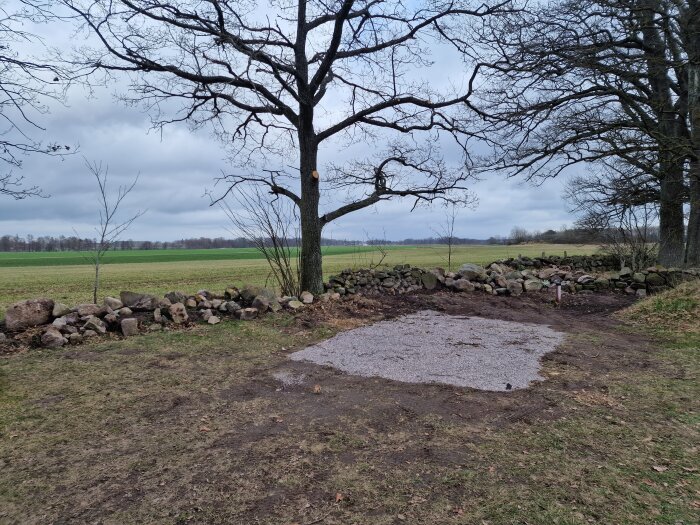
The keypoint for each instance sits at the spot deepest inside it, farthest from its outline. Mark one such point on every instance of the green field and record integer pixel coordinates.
(22, 277)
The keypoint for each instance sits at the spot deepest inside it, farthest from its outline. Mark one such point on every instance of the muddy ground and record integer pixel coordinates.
(197, 428)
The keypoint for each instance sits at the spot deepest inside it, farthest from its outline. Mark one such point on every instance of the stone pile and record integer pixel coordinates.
(589, 263)
(510, 277)
(133, 313)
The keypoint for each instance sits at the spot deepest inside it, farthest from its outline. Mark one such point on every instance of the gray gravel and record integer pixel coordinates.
(430, 347)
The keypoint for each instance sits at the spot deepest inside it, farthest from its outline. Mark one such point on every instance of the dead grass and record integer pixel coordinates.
(676, 309)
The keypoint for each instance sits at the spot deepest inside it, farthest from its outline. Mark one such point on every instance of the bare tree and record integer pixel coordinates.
(573, 82)
(280, 81)
(26, 88)
(272, 226)
(446, 232)
(110, 227)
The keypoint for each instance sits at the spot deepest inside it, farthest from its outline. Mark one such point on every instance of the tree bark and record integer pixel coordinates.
(311, 258)
(671, 224)
(692, 257)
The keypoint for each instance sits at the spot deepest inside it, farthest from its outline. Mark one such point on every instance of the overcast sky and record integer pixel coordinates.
(177, 167)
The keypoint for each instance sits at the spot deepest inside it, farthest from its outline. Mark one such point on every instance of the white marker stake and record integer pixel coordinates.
(559, 294)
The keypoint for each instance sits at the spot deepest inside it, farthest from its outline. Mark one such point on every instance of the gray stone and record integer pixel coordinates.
(158, 316)
(215, 303)
(515, 287)
(130, 327)
(113, 303)
(601, 283)
(60, 309)
(123, 312)
(3, 337)
(294, 304)
(388, 282)
(155, 327)
(90, 309)
(247, 314)
(548, 273)
(60, 322)
(463, 285)
(472, 272)
(641, 292)
(95, 324)
(429, 280)
(488, 288)
(191, 303)
(139, 301)
(250, 292)
(111, 318)
(625, 272)
(75, 338)
(89, 333)
(655, 279)
(178, 313)
(231, 293)
(232, 307)
(25, 314)
(261, 302)
(306, 297)
(213, 320)
(532, 285)
(53, 338)
(176, 297)
(585, 279)
(639, 277)
(206, 314)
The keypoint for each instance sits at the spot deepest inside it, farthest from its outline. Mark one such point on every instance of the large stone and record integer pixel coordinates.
(113, 303)
(75, 338)
(463, 285)
(25, 314)
(176, 297)
(231, 293)
(655, 279)
(261, 302)
(130, 327)
(60, 309)
(53, 338)
(639, 277)
(232, 307)
(306, 297)
(206, 314)
(429, 280)
(88, 309)
(247, 314)
(548, 273)
(3, 337)
(250, 292)
(294, 304)
(515, 287)
(95, 324)
(472, 272)
(178, 313)
(139, 301)
(213, 320)
(532, 285)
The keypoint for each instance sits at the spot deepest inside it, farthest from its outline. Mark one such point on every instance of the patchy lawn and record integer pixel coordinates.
(196, 427)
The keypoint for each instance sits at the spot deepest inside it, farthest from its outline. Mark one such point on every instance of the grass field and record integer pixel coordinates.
(72, 283)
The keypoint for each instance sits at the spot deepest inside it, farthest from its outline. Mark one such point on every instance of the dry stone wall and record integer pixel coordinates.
(43, 322)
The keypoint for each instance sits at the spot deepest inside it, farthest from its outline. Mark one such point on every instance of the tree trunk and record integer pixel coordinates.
(693, 45)
(311, 258)
(671, 225)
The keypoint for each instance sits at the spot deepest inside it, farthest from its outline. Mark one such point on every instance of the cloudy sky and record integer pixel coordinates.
(176, 167)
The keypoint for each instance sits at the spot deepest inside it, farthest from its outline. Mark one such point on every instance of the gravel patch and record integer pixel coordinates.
(430, 347)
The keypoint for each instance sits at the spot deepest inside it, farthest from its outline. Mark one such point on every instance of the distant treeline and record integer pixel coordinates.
(46, 243)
